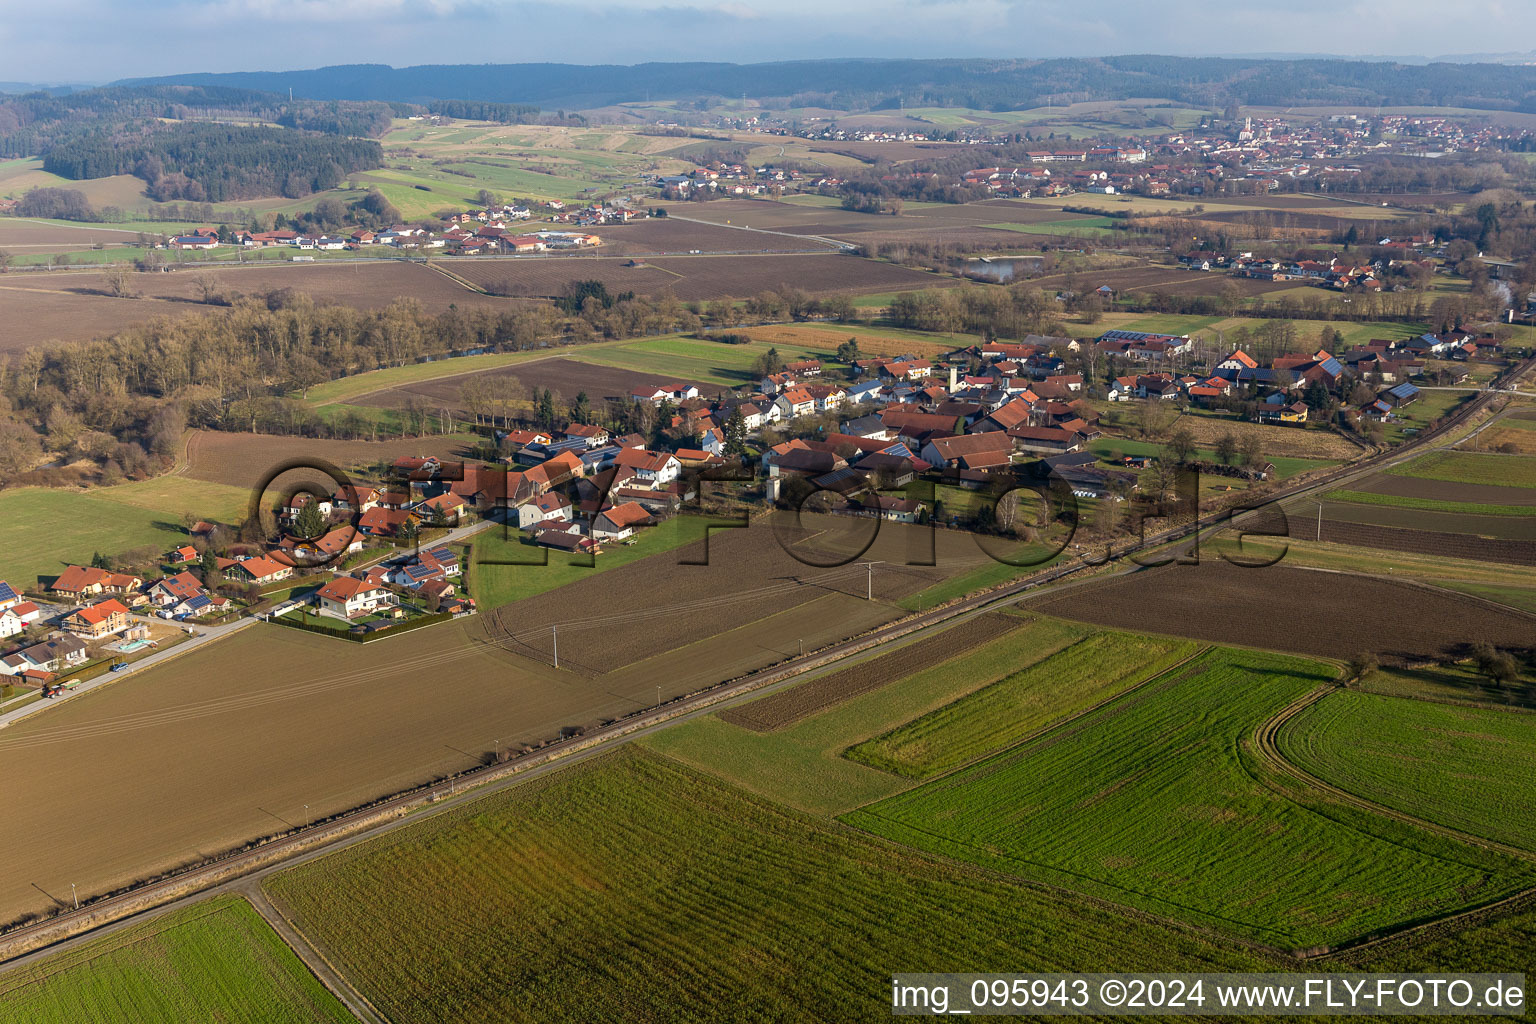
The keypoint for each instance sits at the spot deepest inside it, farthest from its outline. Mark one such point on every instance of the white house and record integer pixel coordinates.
(346, 597)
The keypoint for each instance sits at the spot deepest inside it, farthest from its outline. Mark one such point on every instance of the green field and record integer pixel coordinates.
(1466, 508)
(696, 361)
(1472, 468)
(634, 888)
(493, 585)
(1088, 227)
(1020, 701)
(1285, 467)
(1468, 768)
(174, 496)
(215, 961)
(1159, 800)
(43, 530)
(802, 765)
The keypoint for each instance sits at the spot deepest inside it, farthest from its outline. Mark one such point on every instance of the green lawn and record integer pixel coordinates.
(43, 530)
(631, 887)
(1285, 467)
(1472, 468)
(1468, 768)
(175, 496)
(1159, 801)
(1020, 700)
(1468, 508)
(802, 765)
(214, 961)
(504, 568)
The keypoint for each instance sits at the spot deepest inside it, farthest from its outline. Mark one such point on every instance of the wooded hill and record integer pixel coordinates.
(877, 84)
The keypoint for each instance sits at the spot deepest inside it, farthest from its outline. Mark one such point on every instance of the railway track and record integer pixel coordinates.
(361, 823)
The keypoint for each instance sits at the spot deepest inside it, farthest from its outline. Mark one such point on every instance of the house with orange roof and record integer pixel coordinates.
(620, 521)
(99, 620)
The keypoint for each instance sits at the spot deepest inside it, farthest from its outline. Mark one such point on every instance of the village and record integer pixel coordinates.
(371, 558)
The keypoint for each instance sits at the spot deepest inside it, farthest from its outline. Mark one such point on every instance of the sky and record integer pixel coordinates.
(68, 41)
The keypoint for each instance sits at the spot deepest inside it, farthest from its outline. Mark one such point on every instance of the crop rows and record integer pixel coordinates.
(632, 888)
(1015, 705)
(790, 706)
(1467, 768)
(1156, 801)
(215, 961)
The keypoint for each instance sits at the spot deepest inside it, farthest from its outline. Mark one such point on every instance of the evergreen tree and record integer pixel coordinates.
(736, 433)
(309, 523)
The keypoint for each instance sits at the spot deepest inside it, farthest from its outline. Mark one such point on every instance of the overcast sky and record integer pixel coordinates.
(55, 41)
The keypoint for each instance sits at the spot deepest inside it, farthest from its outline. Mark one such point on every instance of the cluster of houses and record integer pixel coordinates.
(102, 618)
(494, 235)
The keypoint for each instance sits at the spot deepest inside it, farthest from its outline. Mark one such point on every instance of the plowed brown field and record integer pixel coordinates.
(1335, 615)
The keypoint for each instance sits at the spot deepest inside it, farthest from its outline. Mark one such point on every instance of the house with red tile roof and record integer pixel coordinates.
(347, 597)
(98, 621)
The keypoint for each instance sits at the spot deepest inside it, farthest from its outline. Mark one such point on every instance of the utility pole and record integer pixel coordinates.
(658, 696)
(1319, 520)
(306, 815)
(554, 634)
(75, 894)
(869, 581)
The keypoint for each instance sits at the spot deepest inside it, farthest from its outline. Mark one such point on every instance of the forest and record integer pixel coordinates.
(215, 162)
(35, 123)
(984, 84)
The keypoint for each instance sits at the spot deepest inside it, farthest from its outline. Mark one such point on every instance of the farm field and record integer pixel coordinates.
(683, 234)
(1011, 706)
(873, 341)
(704, 361)
(801, 761)
(690, 623)
(241, 735)
(693, 278)
(495, 585)
(174, 496)
(565, 375)
(1390, 485)
(44, 529)
(1513, 524)
(787, 707)
(646, 870)
(1290, 609)
(1466, 768)
(242, 460)
(73, 305)
(1463, 574)
(1406, 501)
(1455, 683)
(1479, 468)
(215, 960)
(1163, 779)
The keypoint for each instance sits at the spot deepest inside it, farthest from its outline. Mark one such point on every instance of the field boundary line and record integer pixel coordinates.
(357, 1004)
(1065, 724)
(1200, 648)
